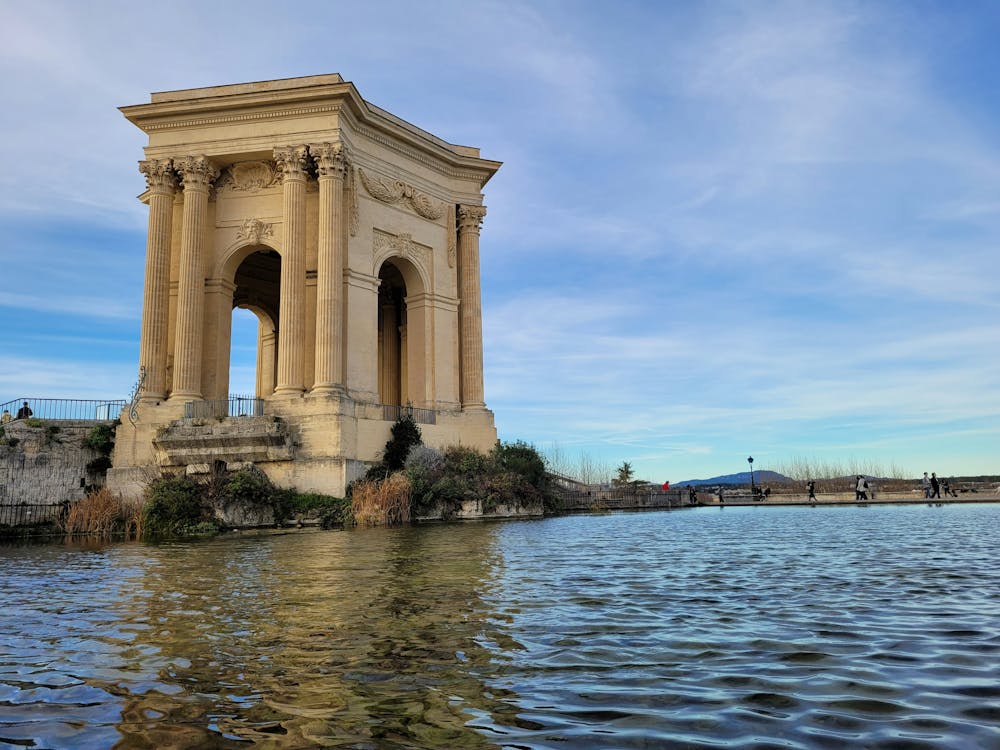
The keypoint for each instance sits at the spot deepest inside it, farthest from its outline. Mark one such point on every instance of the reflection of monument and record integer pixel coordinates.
(353, 237)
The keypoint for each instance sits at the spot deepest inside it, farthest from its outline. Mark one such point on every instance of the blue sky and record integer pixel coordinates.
(721, 229)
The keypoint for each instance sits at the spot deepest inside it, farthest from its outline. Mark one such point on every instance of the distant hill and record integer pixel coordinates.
(759, 477)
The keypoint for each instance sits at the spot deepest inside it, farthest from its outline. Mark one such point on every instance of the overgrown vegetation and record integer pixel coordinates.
(182, 505)
(105, 514)
(100, 439)
(404, 436)
(436, 483)
(382, 503)
(10, 442)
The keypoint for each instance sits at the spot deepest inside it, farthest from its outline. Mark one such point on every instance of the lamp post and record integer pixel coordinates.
(750, 461)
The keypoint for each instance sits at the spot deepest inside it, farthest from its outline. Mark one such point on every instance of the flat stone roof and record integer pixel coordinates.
(280, 84)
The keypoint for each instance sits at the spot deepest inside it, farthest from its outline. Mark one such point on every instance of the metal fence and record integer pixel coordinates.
(75, 409)
(392, 412)
(234, 406)
(26, 514)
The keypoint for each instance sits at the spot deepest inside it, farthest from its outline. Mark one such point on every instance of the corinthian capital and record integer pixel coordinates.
(470, 218)
(330, 158)
(159, 174)
(292, 161)
(196, 172)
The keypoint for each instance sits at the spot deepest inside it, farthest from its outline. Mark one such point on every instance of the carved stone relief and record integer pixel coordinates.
(397, 191)
(352, 200)
(254, 230)
(250, 176)
(452, 238)
(386, 245)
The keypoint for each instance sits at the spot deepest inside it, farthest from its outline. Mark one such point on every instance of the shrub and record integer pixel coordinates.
(521, 459)
(175, 505)
(101, 438)
(34, 422)
(404, 436)
(384, 503)
(336, 513)
(106, 514)
(250, 487)
(423, 467)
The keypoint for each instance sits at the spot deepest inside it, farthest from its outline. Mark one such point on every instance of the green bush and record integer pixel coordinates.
(336, 513)
(404, 436)
(101, 438)
(175, 505)
(34, 422)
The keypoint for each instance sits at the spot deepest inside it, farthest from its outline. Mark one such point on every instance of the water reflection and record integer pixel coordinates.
(293, 641)
(777, 627)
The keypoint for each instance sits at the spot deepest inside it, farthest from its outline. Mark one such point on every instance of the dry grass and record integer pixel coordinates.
(105, 514)
(385, 503)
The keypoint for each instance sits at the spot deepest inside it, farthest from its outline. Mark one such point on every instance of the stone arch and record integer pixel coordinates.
(404, 329)
(254, 287)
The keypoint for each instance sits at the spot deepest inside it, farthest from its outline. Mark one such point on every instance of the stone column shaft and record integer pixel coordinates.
(197, 174)
(162, 183)
(470, 219)
(330, 164)
(291, 335)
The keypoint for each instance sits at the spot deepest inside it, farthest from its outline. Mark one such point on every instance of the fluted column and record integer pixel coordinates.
(161, 182)
(197, 174)
(470, 219)
(330, 166)
(293, 162)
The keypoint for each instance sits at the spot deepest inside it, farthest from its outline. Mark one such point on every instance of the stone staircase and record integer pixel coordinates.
(200, 443)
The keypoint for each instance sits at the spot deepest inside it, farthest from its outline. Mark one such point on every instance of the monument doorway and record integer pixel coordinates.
(257, 289)
(402, 323)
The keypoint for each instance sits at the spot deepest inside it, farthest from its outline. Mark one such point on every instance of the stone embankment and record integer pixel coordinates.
(44, 464)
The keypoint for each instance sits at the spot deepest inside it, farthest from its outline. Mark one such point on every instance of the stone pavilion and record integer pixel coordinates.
(351, 235)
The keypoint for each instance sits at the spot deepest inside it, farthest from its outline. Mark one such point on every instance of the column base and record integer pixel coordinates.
(288, 391)
(328, 389)
(181, 396)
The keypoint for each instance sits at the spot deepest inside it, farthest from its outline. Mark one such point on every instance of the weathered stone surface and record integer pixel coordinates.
(48, 464)
(352, 235)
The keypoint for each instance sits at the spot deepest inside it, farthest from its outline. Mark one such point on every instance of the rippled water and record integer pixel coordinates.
(873, 627)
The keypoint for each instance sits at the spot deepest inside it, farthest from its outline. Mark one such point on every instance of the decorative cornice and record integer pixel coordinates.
(196, 172)
(245, 117)
(292, 162)
(250, 176)
(255, 230)
(470, 218)
(330, 158)
(160, 175)
(395, 191)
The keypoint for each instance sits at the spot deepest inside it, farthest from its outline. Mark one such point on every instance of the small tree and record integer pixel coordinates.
(625, 474)
(405, 435)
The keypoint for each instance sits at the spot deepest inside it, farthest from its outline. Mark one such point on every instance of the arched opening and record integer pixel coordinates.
(392, 350)
(243, 353)
(256, 297)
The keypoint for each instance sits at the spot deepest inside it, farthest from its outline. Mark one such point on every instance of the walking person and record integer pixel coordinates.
(926, 482)
(935, 486)
(861, 489)
(811, 486)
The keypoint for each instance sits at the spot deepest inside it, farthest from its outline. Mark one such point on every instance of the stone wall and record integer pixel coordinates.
(47, 464)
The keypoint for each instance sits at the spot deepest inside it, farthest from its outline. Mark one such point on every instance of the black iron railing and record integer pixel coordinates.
(234, 406)
(392, 412)
(26, 514)
(76, 409)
